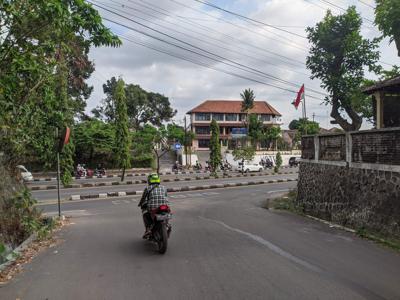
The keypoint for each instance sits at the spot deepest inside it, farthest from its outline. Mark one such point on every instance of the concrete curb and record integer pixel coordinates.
(142, 181)
(140, 174)
(15, 253)
(180, 189)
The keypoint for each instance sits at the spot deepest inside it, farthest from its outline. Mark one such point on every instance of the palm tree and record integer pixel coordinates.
(248, 98)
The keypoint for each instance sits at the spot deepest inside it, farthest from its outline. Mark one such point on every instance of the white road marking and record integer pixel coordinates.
(210, 193)
(116, 202)
(126, 201)
(268, 244)
(77, 212)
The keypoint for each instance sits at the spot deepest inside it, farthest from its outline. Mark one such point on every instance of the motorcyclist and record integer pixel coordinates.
(154, 195)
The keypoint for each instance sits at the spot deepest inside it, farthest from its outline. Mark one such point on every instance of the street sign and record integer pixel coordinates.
(238, 132)
(177, 146)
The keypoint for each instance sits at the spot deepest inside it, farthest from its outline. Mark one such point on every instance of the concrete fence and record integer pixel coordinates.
(353, 179)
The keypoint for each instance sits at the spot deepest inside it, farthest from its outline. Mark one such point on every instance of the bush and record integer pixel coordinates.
(18, 216)
(144, 161)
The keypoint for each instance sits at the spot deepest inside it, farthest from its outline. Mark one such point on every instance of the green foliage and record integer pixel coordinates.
(255, 129)
(122, 137)
(272, 134)
(67, 162)
(387, 18)
(94, 142)
(215, 147)
(389, 74)
(245, 153)
(338, 57)
(278, 162)
(143, 107)
(248, 98)
(294, 124)
(39, 37)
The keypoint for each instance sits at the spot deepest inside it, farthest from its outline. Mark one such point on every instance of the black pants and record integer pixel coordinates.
(147, 219)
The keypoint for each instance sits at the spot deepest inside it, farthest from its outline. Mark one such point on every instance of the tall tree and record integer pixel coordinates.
(255, 130)
(143, 107)
(215, 147)
(248, 98)
(35, 34)
(122, 138)
(387, 17)
(338, 57)
(272, 134)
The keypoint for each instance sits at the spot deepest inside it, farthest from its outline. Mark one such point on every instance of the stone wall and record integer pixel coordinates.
(353, 179)
(353, 197)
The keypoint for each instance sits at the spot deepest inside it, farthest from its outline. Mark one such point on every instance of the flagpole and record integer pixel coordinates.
(304, 102)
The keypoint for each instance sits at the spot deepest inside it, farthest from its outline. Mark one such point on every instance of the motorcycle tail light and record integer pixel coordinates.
(164, 208)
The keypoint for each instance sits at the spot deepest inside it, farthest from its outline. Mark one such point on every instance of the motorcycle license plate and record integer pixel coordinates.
(163, 217)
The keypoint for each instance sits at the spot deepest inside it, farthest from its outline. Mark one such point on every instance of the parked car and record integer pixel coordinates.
(25, 174)
(249, 167)
(294, 161)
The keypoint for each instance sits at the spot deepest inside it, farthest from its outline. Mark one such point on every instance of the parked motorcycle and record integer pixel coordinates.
(226, 167)
(100, 172)
(161, 229)
(177, 168)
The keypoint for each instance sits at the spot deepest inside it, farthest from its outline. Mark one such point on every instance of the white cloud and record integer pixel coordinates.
(187, 84)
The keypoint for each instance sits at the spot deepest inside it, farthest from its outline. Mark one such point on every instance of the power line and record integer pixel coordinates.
(366, 4)
(216, 45)
(249, 19)
(220, 59)
(209, 66)
(291, 43)
(191, 51)
(342, 9)
(208, 29)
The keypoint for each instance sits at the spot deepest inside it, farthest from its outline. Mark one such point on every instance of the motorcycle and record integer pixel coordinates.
(161, 229)
(197, 167)
(226, 167)
(177, 168)
(100, 172)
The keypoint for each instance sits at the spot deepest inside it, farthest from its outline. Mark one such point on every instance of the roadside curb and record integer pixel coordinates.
(142, 181)
(15, 253)
(180, 189)
(139, 174)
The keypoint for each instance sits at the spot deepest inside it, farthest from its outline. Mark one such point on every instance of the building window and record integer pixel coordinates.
(242, 117)
(265, 118)
(221, 130)
(204, 143)
(231, 117)
(202, 130)
(202, 117)
(218, 117)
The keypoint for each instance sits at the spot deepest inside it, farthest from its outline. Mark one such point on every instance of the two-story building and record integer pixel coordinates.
(229, 115)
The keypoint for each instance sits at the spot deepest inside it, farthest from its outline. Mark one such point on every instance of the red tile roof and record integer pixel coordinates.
(233, 106)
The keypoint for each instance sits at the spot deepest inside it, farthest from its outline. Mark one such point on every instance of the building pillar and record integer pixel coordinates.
(379, 109)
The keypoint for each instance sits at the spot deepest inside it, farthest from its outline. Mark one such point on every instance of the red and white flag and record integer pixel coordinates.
(300, 96)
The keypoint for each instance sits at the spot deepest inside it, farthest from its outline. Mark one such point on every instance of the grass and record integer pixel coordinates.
(285, 202)
(390, 242)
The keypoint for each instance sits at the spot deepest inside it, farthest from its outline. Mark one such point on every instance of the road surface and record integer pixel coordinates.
(223, 246)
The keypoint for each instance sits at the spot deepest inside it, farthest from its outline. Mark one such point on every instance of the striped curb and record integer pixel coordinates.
(180, 189)
(141, 174)
(99, 184)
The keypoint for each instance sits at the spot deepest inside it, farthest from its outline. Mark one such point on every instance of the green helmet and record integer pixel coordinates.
(153, 179)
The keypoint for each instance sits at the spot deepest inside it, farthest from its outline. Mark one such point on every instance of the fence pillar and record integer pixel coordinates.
(349, 146)
(316, 148)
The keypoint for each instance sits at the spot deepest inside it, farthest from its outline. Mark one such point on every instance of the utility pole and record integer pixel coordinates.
(313, 116)
(58, 179)
(185, 143)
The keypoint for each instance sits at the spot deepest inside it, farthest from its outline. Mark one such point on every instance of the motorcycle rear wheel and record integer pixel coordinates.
(162, 241)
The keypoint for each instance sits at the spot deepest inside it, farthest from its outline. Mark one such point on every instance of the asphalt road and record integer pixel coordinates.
(223, 246)
(171, 176)
(66, 193)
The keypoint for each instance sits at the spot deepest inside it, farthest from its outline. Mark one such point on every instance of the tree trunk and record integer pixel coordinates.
(123, 174)
(397, 41)
(356, 119)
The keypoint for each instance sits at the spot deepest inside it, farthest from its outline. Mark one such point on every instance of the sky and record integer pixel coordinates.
(269, 58)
